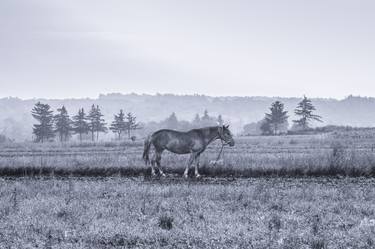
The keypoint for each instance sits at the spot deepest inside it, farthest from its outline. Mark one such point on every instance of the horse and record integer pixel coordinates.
(192, 142)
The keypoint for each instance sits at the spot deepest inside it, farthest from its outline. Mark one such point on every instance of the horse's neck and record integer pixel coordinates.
(212, 135)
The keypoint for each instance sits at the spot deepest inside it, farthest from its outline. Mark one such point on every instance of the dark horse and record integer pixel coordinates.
(193, 142)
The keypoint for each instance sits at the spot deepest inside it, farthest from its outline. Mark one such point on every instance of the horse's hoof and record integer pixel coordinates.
(197, 176)
(163, 175)
(185, 176)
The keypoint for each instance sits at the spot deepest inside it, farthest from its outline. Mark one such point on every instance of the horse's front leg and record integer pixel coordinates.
(191, 160)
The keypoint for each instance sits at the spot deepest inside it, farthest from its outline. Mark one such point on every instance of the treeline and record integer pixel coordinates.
(276, 121)
(172, 122)
(62, 126)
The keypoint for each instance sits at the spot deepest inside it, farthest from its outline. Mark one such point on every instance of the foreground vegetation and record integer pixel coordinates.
(176, 213)
(344, 153)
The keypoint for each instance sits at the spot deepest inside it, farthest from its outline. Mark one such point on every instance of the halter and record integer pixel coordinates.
(223, 142)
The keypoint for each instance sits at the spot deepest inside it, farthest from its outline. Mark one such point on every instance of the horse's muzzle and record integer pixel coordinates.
(231, 143)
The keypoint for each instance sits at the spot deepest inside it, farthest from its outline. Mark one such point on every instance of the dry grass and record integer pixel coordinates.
(344, 154)
(230, 212)
(175, 213)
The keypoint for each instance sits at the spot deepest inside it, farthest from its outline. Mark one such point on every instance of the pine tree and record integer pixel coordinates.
(265, 127)
(63, 124)
(44, 115)
(220, 120)
(305, 111)
(96, 122)
(196, 121)
(171, 122)
(277, 118)
(80, 125)
(119, 125)
(131, 123)
(207, 120)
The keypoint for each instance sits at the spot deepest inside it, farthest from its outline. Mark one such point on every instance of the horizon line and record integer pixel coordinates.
(185, 95)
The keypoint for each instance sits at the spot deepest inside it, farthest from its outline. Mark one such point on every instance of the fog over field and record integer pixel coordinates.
(16, 120)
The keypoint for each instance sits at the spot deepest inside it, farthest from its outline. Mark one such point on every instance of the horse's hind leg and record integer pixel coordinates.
(158, 160)
(191, 160)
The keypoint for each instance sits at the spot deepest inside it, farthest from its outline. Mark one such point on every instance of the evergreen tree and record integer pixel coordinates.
(265, 127)
(63, 124)
(131, 123)
(119, 125)
(220, 120)
(196, 123)
(277, 118)
(96, 122)
(207, 120)
(171, 122)
(305, 111)
(44, 115)
(80, 125)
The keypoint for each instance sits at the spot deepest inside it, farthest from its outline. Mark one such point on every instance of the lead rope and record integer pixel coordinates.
(218, 156)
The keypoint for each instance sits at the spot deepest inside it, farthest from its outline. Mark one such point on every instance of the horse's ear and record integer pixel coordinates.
(226, 126)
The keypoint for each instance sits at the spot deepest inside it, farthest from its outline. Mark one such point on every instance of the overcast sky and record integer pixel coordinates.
(78, 48)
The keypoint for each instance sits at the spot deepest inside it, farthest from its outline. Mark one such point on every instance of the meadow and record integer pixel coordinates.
(342, 153)
(127, 212)
(301, 191)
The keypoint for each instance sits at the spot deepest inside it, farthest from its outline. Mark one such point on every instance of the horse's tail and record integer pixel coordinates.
(146, 150)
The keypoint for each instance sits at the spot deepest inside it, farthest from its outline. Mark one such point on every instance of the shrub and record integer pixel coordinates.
(166, 222)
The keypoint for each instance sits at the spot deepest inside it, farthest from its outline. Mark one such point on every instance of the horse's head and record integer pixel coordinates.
(225, 135)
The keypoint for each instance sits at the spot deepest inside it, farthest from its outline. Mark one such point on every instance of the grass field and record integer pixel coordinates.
(116, 212)
(332, 154)
(315, 191)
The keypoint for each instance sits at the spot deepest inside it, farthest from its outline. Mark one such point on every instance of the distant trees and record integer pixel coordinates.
(196, 121)
(275, 120)
(253, 128)
(206, 120)
(171, 122)
(43, 131)
(96, 122)
(119, 125)
(80, 125)
(63, 124)
(265, 127)
(304, 112)
(131, 123)
(220, 120)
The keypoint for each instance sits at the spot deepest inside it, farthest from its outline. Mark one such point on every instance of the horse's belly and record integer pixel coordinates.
(179, 151)
(179, 147)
